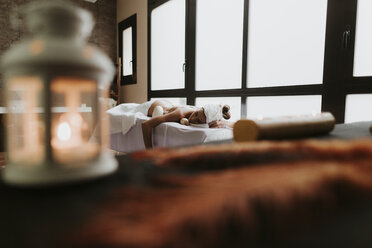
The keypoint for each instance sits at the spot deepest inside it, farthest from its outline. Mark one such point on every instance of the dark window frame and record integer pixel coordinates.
(126, 23)
(338, 80)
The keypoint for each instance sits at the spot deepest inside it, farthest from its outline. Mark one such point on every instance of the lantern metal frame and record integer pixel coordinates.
(60, 36)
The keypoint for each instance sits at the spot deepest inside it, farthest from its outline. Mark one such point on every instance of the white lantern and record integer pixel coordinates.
(55, 124)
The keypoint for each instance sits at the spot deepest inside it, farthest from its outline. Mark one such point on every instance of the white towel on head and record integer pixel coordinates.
(213, 112)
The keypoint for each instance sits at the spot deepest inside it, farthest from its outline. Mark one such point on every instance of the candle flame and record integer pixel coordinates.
(64, 131)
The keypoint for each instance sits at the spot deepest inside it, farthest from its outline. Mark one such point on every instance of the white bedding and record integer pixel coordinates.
(168, 134)
(124, 116)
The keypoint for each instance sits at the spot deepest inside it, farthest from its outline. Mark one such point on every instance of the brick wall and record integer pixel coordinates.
(103, 35)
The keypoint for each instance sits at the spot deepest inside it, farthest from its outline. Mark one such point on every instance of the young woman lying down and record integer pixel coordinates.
(213, 115)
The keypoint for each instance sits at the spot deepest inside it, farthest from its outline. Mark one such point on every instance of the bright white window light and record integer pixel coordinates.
(177, 101)
(357, 108)
(168, 46)
(363, 40)
(219, 44)
(274, 106)
(127, 52)
(286, 41)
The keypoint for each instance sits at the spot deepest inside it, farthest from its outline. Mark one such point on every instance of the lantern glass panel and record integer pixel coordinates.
(74, 121)
(104, 119)
(26, 129)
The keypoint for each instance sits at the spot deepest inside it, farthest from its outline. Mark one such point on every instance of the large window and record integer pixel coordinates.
(262, 57)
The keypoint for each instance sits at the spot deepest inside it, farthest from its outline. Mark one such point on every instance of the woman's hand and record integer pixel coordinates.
(218, 124)
(221, 124)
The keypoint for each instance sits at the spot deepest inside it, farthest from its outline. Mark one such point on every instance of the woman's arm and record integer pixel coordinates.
(221, 123)
(148, 125)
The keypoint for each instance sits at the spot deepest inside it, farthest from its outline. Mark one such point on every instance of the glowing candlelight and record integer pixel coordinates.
(70, 142)
(64, 131)
(69, 131)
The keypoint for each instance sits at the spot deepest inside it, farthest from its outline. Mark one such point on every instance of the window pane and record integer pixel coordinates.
(127, 52)
(286, 42)
(273, 106)
(168, 45)
(233, 102)
(357, 108)
(363, 40)
(174, 100)
(219, 41)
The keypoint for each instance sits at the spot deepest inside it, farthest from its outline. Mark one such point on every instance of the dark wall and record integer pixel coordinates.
(103, 35)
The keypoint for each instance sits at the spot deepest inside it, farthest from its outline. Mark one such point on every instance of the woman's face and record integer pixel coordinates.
(198, 117)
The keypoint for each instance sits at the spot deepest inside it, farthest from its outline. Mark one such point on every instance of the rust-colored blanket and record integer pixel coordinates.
(257, 194)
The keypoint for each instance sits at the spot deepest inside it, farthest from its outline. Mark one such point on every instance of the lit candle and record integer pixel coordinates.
(64, 131)
(68, 142)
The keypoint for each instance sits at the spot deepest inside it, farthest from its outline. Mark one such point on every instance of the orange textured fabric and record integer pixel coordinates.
(269, 193)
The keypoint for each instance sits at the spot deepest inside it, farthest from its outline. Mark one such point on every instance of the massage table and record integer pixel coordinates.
(167, 134)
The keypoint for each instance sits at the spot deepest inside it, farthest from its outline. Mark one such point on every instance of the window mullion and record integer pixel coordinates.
(190, 51)
(243, 113)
